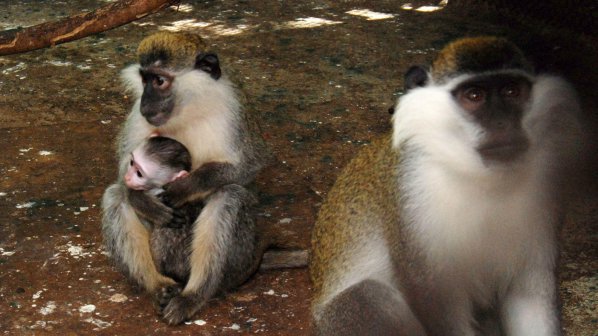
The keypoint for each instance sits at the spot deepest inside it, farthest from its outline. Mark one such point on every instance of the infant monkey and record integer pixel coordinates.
(155, 163)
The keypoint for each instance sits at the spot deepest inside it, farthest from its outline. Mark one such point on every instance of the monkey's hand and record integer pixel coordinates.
(179, 218)
(149, 208)
(179, 214)
(200, 183)
(177, 192)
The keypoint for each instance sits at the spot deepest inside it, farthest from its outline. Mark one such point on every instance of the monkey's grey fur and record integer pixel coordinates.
(208, 120)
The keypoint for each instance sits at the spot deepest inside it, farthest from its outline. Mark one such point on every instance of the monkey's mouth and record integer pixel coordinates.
(156, 115)
(157, 119)
(503, 151)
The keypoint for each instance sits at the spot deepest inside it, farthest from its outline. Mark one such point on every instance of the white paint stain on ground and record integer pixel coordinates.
(234, 327)
(45, 153)
(37, 295)
(74, 250)
(43, 325)
(48, 309)
(25, 205)
(271, 292)
(98, 323)
(81, 209)
(6, 253)
(59, 63)
(17, 68)
(66, 64)
(285, 221)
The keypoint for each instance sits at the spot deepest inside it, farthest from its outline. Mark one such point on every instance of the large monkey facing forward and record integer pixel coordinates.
(181, 94)
(448, 226)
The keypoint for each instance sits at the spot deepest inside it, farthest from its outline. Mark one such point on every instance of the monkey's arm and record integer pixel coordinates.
(127, 240)
(202, 181)
(149, 208)
(222, 252)
(530, 307)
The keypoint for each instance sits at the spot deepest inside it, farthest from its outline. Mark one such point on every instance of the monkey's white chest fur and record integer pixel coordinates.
(480, 227)
(481, 235)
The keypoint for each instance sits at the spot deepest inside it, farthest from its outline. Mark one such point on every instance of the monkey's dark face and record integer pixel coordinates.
(497, 104)
(158, 97)
(157, 100)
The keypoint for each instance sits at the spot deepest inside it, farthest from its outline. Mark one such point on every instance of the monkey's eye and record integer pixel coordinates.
(474, 94)
(139, 174)
(131, 163)
(510, 91)
(161, 82)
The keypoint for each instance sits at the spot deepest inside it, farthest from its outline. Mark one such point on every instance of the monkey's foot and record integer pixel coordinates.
(179, 309)
(164, 294)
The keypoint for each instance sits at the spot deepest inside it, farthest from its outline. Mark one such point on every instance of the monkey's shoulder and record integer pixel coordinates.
(370, 174)
(363, 194)
(356, 209)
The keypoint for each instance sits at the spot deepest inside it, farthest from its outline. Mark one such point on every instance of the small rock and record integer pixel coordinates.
(118, 298)
(87, 308)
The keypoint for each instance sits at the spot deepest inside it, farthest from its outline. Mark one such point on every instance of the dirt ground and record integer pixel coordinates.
(318, 76)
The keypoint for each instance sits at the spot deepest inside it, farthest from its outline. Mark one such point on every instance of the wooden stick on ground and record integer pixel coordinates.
(74, 27)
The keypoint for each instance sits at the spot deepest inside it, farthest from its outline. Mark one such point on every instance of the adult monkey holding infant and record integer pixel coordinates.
(181, 94)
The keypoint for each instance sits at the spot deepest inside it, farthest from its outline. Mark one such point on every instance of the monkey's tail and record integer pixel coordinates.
(279, 248)
(281, 259)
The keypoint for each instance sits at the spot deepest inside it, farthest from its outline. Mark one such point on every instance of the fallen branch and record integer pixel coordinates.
(74, 27)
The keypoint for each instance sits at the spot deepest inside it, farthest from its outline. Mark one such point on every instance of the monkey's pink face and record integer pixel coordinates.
(139, 172)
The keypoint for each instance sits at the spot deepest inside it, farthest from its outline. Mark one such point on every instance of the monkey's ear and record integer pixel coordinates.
(180, 174)
(208, 63)
(415, 77)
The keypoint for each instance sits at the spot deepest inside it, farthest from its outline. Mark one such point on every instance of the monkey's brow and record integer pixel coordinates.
(155, 71)
(495, 79)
